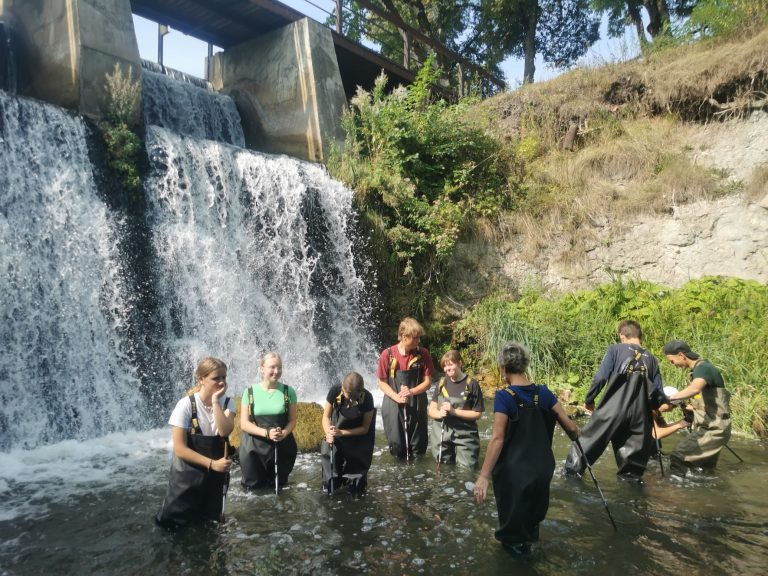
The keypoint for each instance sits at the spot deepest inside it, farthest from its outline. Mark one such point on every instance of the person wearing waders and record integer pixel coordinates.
(404, 373)
(456, 406)
(519, 455)
(267, 419)
(350, 432)
(624, 418)
(711, 427)
(201, 423)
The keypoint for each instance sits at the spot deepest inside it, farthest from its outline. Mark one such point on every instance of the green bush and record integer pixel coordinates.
(421, 173)
(723, 319)
(726, 17)
(124, 147)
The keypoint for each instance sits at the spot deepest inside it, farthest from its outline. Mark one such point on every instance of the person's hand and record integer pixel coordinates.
(574, 434)
(589, 407)
(683, 423)
(221, 465)
(446, 408)
(331, 435)
(481, 489)
(405, 392)
(219, 392)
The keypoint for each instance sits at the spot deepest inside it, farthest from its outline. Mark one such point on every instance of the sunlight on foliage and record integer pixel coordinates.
(721, 318)
(426, 172)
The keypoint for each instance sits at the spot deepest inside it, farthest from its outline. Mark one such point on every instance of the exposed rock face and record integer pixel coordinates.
(727, 236)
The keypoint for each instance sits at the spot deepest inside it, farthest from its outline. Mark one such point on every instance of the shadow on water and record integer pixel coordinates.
(413, 520)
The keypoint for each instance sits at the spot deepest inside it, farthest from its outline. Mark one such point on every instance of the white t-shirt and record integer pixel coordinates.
(181, 417)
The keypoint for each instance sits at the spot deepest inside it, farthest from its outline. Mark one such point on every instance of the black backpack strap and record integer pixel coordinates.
(286, 399)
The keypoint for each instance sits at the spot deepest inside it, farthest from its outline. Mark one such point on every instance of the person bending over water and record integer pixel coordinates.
(710, 404)
(267, 419)
(348, 422)
(456, 406)
(404, 373)
(201, 423)
(519, 454)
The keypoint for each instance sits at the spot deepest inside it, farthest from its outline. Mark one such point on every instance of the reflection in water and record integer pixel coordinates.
(65, 517)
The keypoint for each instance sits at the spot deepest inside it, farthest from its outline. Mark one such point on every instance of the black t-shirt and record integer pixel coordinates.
(365, 406)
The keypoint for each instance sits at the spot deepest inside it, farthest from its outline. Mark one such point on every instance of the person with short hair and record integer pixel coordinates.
(624, 418)
(710, 403)
(350, 432)
(267, 418)
(404, 375)
(201, 422)
(519, 455)
(457, 404)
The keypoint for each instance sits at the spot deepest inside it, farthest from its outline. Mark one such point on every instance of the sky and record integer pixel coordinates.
(187, 54)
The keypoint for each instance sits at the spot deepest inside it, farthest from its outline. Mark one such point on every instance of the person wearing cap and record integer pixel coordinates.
(624, 417)
(711, 428)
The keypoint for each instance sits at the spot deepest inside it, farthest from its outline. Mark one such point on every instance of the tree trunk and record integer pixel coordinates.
(658, 17)
(633, 10)
(529, 46)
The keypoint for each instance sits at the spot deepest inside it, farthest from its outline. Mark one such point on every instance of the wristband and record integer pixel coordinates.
(266, 433)
(210, 463)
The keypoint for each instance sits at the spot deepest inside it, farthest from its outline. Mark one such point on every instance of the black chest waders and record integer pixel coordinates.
(264, 462)
(348, 459)
(622, 419)
(405, 425)
(523, 472)
(195, 492)
(459, 440)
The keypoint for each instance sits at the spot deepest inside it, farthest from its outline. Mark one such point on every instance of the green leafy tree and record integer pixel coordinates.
(560, 30)
(422, 173)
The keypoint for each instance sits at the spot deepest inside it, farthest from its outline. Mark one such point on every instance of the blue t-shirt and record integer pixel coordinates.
(505, 403)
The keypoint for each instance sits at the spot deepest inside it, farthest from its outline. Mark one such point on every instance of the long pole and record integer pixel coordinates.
(442, 437)
(225, 486)
(734, 453)
(405, 429)
(277, 485)
(333, 471)
(589, 467)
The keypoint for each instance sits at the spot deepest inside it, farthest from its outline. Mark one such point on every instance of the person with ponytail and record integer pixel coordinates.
(201, 424)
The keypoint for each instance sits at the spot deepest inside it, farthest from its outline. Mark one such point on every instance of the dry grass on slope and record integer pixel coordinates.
(636, 150)
(697, 82)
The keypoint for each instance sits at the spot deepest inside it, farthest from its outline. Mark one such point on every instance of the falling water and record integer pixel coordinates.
(187, 106)
(64, 372)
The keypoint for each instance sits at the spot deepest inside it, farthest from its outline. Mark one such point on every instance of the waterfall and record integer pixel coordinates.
(188, 106)
(64, 370)
(106, 311)
(255, 255)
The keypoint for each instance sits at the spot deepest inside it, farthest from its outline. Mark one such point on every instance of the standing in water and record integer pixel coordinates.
(201, 423)
(348, 422)
(711, 427)
(404, 373)
(456, 406)
(624, 417)
(519, 454)
(267, 419)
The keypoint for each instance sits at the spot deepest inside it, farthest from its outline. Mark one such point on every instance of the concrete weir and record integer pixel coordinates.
(288, 89)
(286, 83)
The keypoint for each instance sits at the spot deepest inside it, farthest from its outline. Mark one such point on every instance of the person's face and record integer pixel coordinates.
(351, 393)
(452, 368)
(271, 370)
(410, 342)
(678, 360)
(214, 381)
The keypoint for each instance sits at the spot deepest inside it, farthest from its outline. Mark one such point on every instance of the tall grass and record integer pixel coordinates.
(723, 319)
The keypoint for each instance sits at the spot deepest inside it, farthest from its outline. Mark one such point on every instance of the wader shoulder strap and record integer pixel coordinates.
(286, 400)
(393, 362)
(250, 403)
(520, 403)
(195, 423)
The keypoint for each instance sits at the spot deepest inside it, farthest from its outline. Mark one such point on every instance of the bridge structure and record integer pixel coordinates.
(290, 76)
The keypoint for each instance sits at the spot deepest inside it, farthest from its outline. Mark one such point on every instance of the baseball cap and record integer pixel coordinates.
(676, 346)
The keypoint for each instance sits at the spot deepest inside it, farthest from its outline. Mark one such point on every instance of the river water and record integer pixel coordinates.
(87, 508)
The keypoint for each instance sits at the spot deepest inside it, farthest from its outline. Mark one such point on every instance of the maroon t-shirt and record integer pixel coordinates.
(382, 372)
